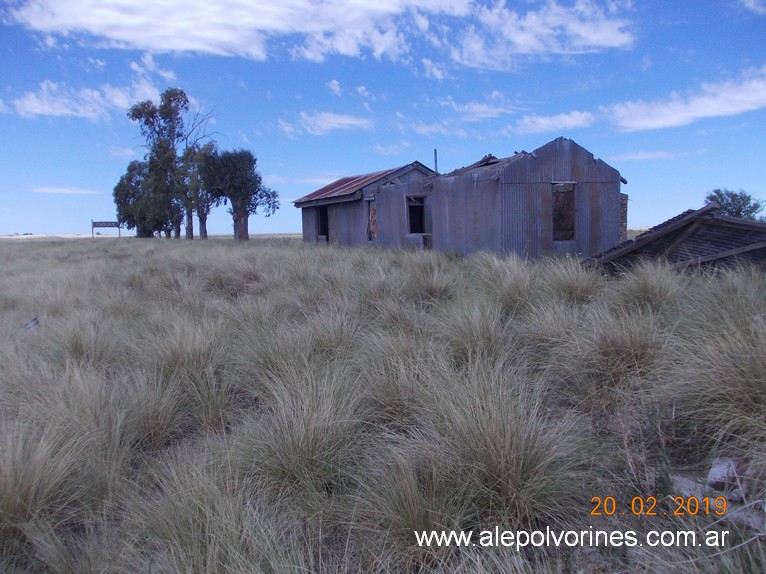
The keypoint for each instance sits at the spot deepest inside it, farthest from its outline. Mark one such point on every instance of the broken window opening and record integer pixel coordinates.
(563, 211)
(322, 224)
(416, 214)
(372, 221)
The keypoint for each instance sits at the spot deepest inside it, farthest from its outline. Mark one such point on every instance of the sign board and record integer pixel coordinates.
(95, 224)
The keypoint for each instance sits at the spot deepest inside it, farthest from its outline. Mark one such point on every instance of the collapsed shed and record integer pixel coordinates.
(694, 238)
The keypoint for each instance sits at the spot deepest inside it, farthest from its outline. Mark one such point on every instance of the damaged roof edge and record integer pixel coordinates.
(347, 188)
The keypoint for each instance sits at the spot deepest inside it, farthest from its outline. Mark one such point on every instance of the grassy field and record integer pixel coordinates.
(274, 407)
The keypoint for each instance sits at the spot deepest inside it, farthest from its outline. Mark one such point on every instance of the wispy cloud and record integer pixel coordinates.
(502, 34)
(393, 149)
(94, 104)
(483, 35)
(493, 107)
(433, 69)
(334, 87)
(322, 123)
(534, 124)
(757, 6)
(3, 107)
(65, 190)
(148, 66)
(442, 128)
(729, 98)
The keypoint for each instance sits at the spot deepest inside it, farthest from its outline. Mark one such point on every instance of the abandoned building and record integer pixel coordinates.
(693, 239)
(343, 212)
(557, 199)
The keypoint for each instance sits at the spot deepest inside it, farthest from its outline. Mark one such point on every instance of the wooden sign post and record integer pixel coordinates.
(95, 224)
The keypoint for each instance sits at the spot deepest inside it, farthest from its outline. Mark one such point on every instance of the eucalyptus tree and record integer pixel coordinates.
(233, 177)
(168, 137)
(136, 205)
(197, 197)
(736, 203)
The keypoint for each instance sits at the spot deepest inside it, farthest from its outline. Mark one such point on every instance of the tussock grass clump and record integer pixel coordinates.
(613, 359)
(568, 279)
(306, 443)
(192, 523)
(722, 392)
(508, 282)
(524, 462)
(651, 286)
(472, 328)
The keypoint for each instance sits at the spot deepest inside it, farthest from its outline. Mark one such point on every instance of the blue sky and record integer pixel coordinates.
(672, 94)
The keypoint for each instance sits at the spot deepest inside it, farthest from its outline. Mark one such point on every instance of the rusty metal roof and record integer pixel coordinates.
(345, 188)
(694, 237)
(488, 161)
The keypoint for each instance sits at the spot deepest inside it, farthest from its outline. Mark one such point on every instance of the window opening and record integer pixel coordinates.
(563, 212)
(416, 214)
(322, 223)
(372, 221)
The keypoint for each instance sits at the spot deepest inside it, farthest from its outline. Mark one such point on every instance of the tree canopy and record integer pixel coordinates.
(233, 177)
(735, 203)
(136, 206)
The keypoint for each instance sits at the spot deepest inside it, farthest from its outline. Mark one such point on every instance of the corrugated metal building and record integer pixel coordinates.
(558, 199)
(343, 212)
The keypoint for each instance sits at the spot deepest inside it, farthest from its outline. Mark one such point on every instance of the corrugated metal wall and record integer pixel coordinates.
(391, 203)
(310, 218)
(465, 212)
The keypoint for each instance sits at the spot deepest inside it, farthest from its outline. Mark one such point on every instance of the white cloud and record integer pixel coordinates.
(502, 34)
(494, 107)
(3, 107)
(488, 35)
(757, 6)
(433, 70)
(362, 91)
(534, 124)
(334, 87)
(290, 130)
(53, 99)
(94, 104)
(149, 66)
(392, 149)
(97, 63)
(65, 190)
(442, 128)
(729, 98)
(322, 123)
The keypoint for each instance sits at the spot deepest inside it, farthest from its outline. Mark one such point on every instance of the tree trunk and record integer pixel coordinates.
(189, 224)
(177, 230)
(240, 215)
(202, 227)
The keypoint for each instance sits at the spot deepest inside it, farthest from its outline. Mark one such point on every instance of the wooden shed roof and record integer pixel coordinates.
(694, 237)
(347, 188)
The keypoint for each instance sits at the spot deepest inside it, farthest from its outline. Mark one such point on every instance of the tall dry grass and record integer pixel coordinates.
(278, 407)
